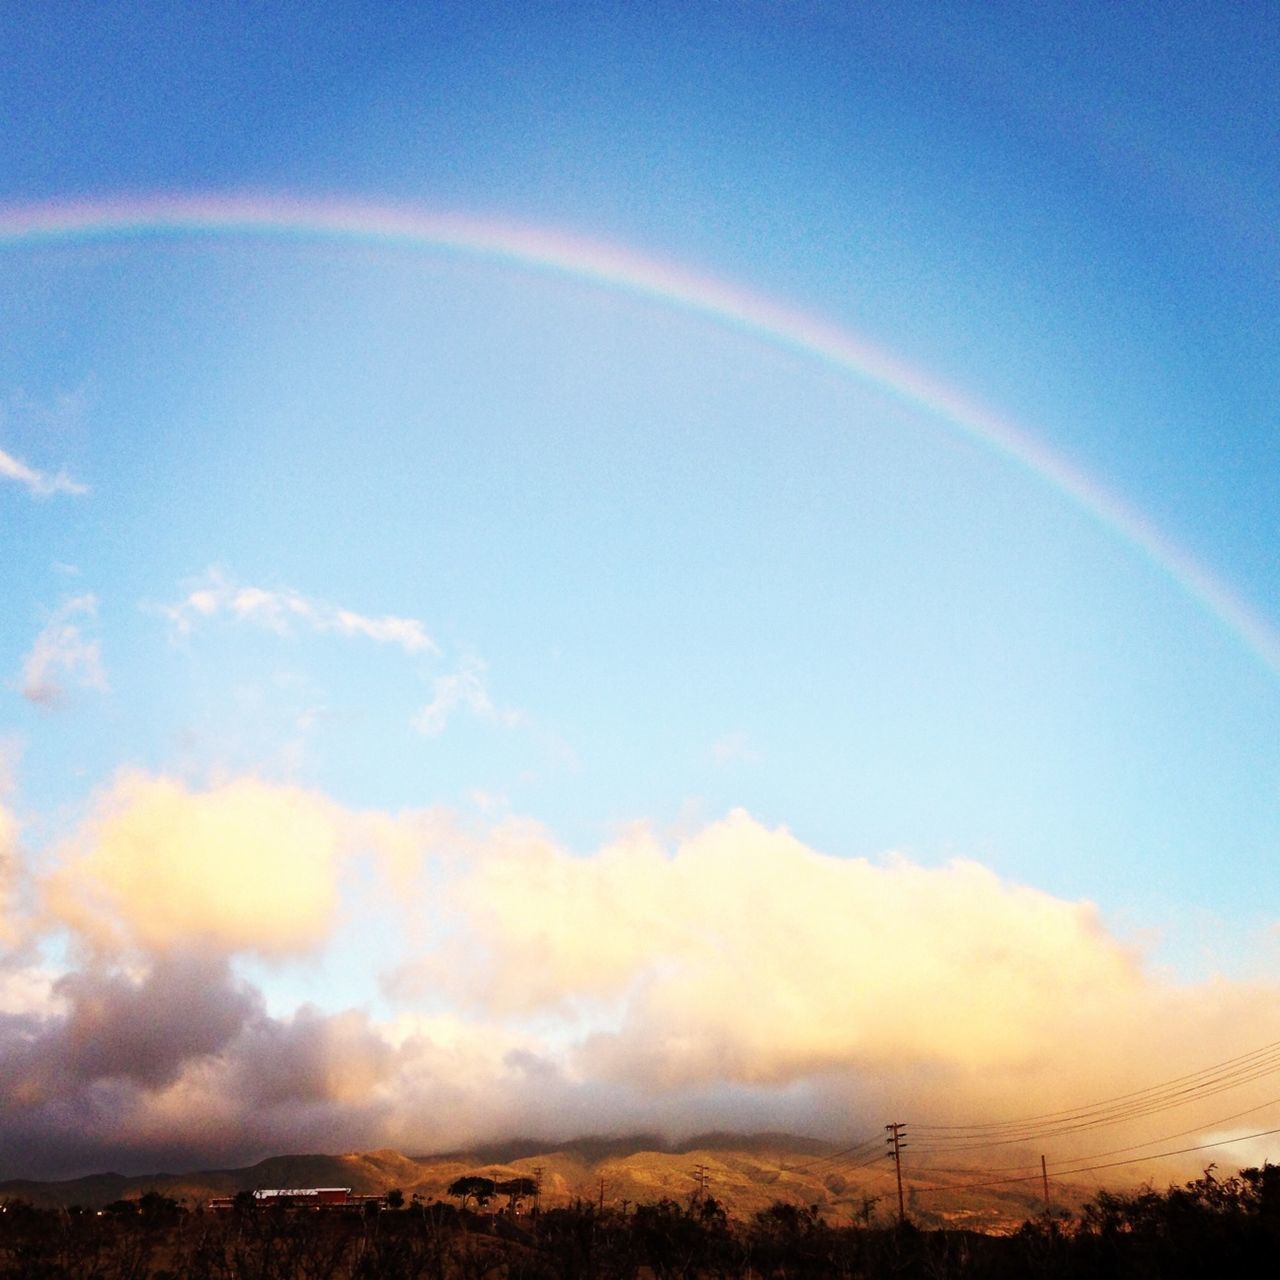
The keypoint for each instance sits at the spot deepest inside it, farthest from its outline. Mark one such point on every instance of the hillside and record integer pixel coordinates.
(746, 1173)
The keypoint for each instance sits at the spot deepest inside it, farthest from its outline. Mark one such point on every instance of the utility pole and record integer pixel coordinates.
(1044, 1177)
(896, 1130)
(601, 1195)
(702, 1178)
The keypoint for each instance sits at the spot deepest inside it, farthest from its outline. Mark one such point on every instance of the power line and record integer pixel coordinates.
(1079, 1124)
(1115, 1151)
(875, 1159)
(1114, 1164)
(1268, 1050)
(1050, 1132)
(975, 1142)
(856, 1149)
(896, 1144)
(1168, 1094)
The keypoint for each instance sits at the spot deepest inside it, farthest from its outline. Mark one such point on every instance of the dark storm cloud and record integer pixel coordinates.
(116, 1028)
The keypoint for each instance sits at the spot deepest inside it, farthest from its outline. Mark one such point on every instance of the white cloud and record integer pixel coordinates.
(464, 689)
(40, 484)
(63, 654)
(283, 610)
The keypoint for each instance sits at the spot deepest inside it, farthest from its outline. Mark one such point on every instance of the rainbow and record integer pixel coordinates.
(613, 267)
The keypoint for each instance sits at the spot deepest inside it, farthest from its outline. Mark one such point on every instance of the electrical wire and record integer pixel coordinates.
(857, 1148)
(1048, 1133)
(1168, 1094)
(1114, 1164)
(1115, 1151)
(1176, 1092)
(1084, 1122)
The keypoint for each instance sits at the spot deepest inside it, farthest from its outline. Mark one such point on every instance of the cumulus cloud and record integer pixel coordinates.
(740, 978)
(40, 484)
(843, 959)
(62, 654)
(181, 1063)
(284, 610)
(745, 958)
(245, 866)
(109, 1026)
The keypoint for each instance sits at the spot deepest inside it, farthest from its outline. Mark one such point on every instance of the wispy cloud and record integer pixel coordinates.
(11, 749)
(464, 689)
(488, 801)
(284, 610)
(62, 654)
(40, 484)
(733, 749)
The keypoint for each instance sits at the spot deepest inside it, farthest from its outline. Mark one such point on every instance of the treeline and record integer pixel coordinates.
(1211, 1226)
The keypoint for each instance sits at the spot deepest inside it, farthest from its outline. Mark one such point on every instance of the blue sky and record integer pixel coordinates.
(409, 532)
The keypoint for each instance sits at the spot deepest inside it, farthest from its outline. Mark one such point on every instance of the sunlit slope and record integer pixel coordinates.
(745, 1177)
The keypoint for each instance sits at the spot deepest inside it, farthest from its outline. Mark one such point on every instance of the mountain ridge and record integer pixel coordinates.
(746, 1173)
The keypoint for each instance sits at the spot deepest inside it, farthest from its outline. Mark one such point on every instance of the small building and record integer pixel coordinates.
(305, 1197)
(331, 1198)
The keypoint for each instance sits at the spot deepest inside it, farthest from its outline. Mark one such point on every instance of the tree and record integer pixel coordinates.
(395, 1198)
(158, 1209)
(473, 1187)
(516, 1189)
(679, 1242)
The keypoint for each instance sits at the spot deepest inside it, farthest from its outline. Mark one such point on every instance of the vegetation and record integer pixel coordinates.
(473, 1187)
(1209, 1226)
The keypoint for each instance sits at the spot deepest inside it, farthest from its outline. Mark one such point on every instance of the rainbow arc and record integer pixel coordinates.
(616, 268)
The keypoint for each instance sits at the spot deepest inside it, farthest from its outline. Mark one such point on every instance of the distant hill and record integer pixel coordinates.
(746, 1173)
(603, 1147)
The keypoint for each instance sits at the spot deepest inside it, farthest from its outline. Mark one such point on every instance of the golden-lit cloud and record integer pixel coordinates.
(746, 953)
(745, 958)
(242, 866)
(738, 979)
